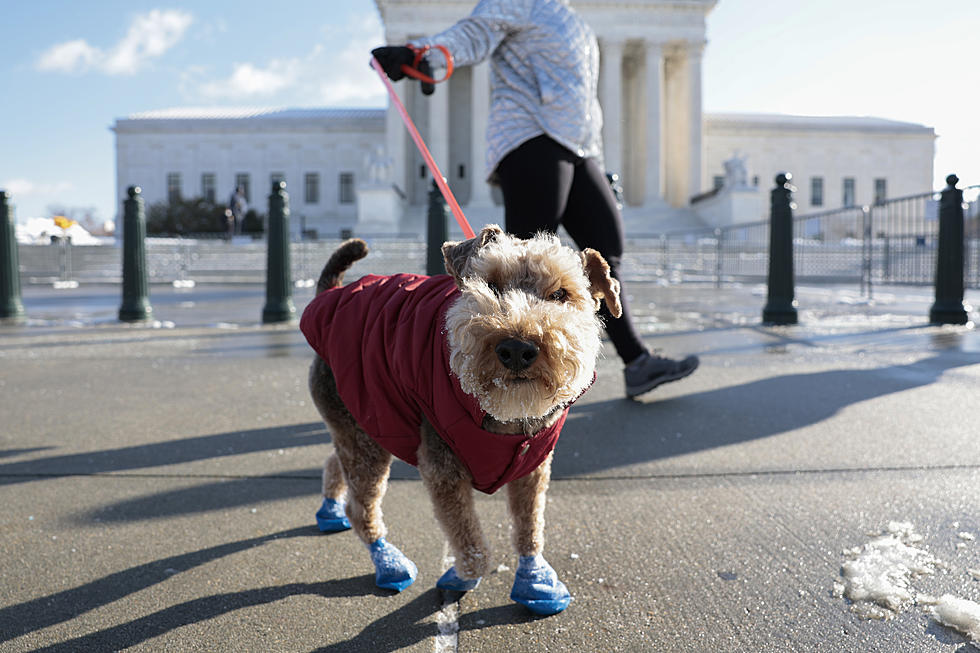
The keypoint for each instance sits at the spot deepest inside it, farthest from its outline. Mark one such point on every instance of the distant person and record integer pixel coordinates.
(544, 140)
(238, 207)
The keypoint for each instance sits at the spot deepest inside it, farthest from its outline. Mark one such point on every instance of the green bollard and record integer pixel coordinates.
(781, 305)
(11, 307)
(948, 307)
(278, 285)
(437, 232)
(135, 305)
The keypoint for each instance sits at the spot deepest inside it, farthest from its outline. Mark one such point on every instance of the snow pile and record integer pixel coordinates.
(878, 576)
(38, 231)
(960, 614)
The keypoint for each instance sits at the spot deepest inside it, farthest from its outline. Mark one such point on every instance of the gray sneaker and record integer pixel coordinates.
(649, 371)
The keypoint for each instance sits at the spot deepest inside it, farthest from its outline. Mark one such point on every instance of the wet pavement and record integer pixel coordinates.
(159, 483)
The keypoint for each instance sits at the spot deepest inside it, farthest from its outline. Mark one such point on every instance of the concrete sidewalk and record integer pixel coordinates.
(159, 486)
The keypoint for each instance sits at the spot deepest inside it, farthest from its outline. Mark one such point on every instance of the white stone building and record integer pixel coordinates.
(835, 161)
(320, 153)
(344, 167)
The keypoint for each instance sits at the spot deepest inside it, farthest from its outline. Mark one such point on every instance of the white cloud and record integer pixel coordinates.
(69, 57)
(248, 81)
(27, 188)
(326, 75)
(150, 35)
(350, 79)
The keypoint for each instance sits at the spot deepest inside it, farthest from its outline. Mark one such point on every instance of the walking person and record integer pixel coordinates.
(544, 144)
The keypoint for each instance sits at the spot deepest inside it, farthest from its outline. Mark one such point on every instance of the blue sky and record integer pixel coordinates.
(68, 73)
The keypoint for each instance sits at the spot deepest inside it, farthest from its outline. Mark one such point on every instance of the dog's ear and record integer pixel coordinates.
(456, 255)
(601, 283)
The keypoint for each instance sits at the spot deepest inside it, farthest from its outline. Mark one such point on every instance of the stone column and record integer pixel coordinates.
(438, 136)
(695, 123)
(395, 133)
(610, 97)
(654, 146)
(480, 102)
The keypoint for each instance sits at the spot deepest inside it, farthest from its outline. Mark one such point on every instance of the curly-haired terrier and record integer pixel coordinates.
(469, 376)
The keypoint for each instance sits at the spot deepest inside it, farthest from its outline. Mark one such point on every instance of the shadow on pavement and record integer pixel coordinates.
(209, 496)
(45, 611)
(394, 631)
(172, 452)
(140, 630)
(224, 495)
(706, 420)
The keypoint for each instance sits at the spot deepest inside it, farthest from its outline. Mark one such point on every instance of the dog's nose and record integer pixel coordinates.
(516, 355)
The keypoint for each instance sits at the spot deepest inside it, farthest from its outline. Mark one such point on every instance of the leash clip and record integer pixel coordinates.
(413, 70)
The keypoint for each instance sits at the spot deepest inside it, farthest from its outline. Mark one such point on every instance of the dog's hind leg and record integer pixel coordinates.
(536, 584)
(451, 490)
(365, 466)
(331, 517)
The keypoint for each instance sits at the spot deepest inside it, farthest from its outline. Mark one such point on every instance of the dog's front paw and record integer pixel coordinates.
(330, 518)
(536, 586)
(451, 581)
(392, 570)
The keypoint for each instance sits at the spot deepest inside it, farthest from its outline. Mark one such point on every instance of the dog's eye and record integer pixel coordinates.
(559, 295)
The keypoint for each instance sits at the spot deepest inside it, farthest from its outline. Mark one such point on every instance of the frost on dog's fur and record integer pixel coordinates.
(508, 289)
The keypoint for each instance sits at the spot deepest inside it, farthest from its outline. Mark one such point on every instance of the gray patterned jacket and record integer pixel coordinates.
(543, 77)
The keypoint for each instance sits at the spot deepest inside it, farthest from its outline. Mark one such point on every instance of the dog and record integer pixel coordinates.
(468, 376)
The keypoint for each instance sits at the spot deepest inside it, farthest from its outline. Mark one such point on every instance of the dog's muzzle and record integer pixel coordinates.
(516, 355)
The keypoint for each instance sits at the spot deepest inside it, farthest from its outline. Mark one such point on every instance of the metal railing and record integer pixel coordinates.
(892, 242)
(204, 261)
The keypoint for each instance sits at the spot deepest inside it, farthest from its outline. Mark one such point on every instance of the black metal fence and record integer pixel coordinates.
(202, 261)
(892, 242)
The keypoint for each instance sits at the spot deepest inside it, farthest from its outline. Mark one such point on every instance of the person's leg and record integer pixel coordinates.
(593, 220)
(535, 180)
(543, 186)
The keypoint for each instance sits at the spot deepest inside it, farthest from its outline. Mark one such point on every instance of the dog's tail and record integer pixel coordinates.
(340, 261)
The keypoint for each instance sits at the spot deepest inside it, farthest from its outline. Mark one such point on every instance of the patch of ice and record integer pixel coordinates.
(960, 614)
(877, 576)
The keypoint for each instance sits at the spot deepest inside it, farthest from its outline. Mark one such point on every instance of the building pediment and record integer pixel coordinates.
(657, 20)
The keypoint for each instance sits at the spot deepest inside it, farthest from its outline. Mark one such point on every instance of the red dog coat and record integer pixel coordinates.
(384, 339)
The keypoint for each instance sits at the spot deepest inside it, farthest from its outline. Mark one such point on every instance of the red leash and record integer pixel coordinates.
(419, 143)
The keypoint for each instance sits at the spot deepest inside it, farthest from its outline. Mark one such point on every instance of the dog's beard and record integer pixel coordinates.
(567, 339)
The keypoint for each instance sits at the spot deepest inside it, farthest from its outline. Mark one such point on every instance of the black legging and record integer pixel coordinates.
(546, 185)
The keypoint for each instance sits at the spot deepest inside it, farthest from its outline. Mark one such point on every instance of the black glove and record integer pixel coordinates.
(393, 57)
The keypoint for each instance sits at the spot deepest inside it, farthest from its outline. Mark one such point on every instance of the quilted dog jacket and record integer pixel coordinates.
(384, 339)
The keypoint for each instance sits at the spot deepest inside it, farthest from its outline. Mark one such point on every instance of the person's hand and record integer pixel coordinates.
(393, 57)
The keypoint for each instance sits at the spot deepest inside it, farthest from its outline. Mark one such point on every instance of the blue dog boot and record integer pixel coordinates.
(450, 581)
(536, 586)
(330, 518)
(392, 570)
